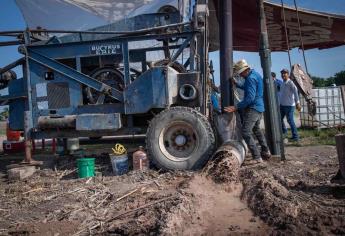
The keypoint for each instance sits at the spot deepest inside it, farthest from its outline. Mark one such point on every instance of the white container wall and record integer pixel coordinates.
(329, 109)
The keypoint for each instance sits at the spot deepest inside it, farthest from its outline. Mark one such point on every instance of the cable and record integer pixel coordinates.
(300, 37)
(286, 34)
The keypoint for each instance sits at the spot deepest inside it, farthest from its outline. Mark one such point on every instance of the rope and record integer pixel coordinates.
(286, 34)
(300, 37)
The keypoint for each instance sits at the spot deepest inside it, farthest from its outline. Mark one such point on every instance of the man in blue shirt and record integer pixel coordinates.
(288, 99)
(277, 82)
(252, 108)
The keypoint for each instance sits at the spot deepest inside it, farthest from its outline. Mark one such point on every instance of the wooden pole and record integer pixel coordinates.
(340, 143)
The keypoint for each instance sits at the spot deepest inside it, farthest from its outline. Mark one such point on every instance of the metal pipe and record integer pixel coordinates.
(111, 139)
(272, 114)
(147, 30)
(27, 136)
(226, 52)
(47, 122)
(12, 65)
(10, 43)
(286, 33)
(232, 149)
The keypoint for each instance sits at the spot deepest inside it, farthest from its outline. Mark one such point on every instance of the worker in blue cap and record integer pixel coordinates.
(289, 100)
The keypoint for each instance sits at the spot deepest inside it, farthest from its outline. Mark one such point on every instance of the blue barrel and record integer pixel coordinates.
(119, 164)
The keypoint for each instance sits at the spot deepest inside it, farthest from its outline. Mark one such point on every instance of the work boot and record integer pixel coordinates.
(255, 161)
(265, 155)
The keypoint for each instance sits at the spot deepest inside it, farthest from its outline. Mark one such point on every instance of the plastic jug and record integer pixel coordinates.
(140, 160)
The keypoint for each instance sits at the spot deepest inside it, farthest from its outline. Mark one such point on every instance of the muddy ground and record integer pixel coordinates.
(277, 198)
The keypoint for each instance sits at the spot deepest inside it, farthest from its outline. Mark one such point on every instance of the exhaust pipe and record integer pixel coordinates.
(188, 92)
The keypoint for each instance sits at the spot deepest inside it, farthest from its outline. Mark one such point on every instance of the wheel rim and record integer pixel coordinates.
(178, 141)
(109, 76)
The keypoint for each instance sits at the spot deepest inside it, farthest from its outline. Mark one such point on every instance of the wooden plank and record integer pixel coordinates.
(342, 89)
(23, 164)
(21, 172)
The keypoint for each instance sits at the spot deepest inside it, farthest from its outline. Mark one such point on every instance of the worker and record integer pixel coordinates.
(288, 99)
(252, 108)
(277, 82)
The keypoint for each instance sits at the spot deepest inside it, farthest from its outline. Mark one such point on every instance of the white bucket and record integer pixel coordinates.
(119, 163)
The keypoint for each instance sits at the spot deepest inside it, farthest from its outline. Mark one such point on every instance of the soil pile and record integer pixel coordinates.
(223, 169)
(296, 197)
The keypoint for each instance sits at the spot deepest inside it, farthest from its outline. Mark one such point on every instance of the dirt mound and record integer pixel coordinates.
(213, 210)
(49, 228)
(295, 197)
(224, 168)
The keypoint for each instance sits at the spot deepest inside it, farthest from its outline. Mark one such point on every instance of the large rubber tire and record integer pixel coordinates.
(166, 152)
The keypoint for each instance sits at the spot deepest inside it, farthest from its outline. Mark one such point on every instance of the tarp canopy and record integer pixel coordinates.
(88, 14)
(319, 30)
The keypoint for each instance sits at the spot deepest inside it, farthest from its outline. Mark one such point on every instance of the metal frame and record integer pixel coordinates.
(47, 56)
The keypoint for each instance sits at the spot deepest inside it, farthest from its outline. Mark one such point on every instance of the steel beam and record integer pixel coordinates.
(75, 75)
(226, 52)
(272, 114)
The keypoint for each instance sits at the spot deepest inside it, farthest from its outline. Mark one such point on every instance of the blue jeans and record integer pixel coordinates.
(251, 124)
(288, 111)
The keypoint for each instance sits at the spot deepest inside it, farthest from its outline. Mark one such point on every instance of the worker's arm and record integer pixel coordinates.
(295, 92)
(250, 92)
(296, 97)
(238, 84)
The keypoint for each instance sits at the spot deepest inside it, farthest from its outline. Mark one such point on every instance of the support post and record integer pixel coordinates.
(27, 137)
(272, 114)
(53, 145)
(226, 52)
(340, 143)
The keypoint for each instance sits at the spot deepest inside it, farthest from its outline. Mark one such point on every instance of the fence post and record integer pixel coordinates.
(340, 143)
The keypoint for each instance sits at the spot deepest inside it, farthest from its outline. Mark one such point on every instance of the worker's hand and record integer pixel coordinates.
(230, 109)
(298, 107)
(233, 82)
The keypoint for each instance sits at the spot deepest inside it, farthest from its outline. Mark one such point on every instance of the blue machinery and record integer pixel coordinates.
(89, 88)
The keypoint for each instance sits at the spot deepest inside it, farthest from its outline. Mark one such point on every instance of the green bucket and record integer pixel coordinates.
(86, 167)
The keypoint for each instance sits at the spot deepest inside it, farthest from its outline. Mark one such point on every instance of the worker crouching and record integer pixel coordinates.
(252, 108)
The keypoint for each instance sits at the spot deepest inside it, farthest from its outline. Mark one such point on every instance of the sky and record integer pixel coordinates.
(322, 63)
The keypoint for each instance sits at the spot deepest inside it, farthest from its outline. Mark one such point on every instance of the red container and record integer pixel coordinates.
(12, 135)
(13, 146)
(140, 160)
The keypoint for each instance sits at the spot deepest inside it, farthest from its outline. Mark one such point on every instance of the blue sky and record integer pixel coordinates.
(323, 63)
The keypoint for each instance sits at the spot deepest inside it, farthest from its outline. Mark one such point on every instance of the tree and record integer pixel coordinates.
(318, 81)
(322, 82)
(4, 114)
(339, 78)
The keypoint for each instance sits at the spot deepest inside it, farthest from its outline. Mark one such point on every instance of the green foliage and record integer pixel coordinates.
(338, 79)
(319, 136)
(4, 114)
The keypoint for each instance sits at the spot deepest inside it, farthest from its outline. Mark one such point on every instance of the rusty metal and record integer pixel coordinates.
(305, 86)
(46, 122)
(28, 154)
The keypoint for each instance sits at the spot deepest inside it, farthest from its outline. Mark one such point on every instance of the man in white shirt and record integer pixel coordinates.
(288, 98)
